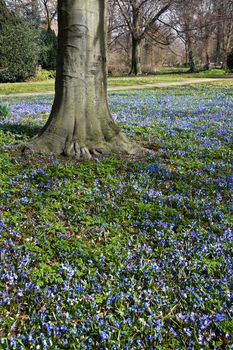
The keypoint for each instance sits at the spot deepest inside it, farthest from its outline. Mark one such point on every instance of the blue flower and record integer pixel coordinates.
(103, 335)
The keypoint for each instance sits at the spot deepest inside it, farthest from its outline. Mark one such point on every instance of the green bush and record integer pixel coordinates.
(230, 61)
(43, 74)
(19, 50)
(48, 51)
(4, 109)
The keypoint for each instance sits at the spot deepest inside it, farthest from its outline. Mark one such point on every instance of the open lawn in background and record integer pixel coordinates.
(162, 76)
(121, 253)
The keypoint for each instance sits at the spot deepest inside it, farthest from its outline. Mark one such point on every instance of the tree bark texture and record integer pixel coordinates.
(136, 40)
(80, 123)
(136, 57)
(191, 62)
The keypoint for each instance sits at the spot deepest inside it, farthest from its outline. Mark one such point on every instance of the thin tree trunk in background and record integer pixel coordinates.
(191, 62)
(80, 123)
(218, 37)
(136, 40)
(48, 20)
(207, 65)
(136, 57)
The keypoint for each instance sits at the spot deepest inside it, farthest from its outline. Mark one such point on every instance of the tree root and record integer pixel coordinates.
(71, 148)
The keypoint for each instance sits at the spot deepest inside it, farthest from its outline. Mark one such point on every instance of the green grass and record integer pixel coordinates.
(160, 77)
(171, 70)
(211, 72)
(148, 79)
(26, 87)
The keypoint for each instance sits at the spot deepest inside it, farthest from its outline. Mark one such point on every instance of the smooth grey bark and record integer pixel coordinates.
(80, 123)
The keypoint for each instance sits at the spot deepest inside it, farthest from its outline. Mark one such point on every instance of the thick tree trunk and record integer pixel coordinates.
(136, 57)
(80, 123)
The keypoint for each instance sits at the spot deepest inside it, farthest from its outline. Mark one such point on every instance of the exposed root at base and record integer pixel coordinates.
(71, 148)
(82, 153)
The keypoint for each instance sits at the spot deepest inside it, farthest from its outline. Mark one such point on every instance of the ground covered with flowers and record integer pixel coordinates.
(121, 254)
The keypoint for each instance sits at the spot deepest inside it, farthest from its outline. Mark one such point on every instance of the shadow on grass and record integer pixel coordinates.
(20, 130)
(212, 73)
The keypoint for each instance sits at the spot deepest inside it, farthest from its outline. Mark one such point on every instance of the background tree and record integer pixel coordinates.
(206, 29)
(200, 31)
(27, 9)
(80, 123)
(49, 11)
(140, 18)
(223, 30)
(38, 12)
(184, 21)
(206, 25)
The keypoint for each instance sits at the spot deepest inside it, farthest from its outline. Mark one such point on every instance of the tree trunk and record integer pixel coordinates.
(48, 19)
(80, 123)
(191, 62)
(136, 57)
(207, 65)
(219, 34)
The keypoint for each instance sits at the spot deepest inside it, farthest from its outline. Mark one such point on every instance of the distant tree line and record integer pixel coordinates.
(143, 34)
(188, 32)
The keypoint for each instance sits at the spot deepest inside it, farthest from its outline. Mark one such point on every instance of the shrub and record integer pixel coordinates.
(43, 74)
(230, 60)
(48, 51)
(4, 109)
(19, 51)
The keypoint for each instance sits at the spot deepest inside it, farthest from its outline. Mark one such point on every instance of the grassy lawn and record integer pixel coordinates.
(48, 85)
(161, 77)
(121, 254)
(26, 87)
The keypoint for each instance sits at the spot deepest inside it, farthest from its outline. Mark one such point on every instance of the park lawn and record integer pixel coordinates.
(121, 253)
(26, 87)
(161, 77)
(147, 79)
(48, 85)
